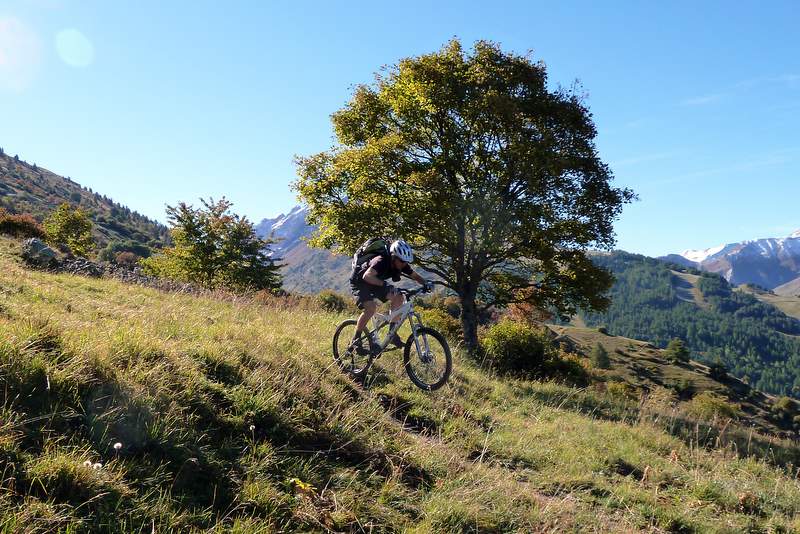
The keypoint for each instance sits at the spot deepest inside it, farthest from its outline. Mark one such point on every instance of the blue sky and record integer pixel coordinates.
(153, 103)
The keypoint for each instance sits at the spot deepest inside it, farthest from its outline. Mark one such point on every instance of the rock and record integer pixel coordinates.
(36, 253)
(82, 266)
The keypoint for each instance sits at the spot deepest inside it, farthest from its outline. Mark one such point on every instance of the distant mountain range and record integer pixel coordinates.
(772, 263)
(27, 188)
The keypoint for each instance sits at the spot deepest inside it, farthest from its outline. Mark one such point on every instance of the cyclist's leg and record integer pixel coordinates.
(365, 300)
(369, 307)
(395, 301)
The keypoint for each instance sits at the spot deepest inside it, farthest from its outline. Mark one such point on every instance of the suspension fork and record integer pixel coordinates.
(415, 322)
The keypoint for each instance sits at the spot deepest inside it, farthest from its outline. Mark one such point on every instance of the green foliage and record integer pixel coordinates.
(332, 301)
(748, 336)
(599, 357)
(717, 370)
(214, 248)
(683, 387)
(785, 411)
(708, 405)
(515, 348)
(114, 248)
(677, 351)
(440, 320)
(70, 227)
(490, 174)
(22, 226)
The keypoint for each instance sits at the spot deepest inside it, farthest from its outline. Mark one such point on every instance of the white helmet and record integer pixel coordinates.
(402, 250)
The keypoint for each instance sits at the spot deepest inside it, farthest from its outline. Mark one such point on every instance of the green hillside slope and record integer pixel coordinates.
(230, 416)
(27, 188)
(653, 301)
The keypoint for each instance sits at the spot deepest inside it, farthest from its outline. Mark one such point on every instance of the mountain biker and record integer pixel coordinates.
(370, 283)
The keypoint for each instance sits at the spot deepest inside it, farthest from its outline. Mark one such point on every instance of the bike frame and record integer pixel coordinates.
(407, 313)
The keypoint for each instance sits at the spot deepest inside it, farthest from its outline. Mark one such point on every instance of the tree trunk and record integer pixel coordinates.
(469, 321)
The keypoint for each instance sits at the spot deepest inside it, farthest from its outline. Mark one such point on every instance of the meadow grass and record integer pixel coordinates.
(231, 417)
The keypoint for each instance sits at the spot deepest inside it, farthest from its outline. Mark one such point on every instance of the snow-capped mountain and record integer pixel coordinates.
(770, 262)
(306, 270)
(288, 230)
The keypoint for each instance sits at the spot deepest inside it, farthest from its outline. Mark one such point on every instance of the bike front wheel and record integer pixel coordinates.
(427, 359)
(351, 356)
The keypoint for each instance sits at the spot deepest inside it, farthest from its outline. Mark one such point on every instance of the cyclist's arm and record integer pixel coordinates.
(417, 277)
(371, 277)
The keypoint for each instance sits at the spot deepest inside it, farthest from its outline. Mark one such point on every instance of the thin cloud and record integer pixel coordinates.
(20, 54)
(777, 157)
(790, 79)
(702, 100)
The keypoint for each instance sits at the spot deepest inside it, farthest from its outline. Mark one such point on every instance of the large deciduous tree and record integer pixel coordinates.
(493, 178)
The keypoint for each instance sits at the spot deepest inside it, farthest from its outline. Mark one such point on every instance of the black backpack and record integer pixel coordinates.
(373, 247)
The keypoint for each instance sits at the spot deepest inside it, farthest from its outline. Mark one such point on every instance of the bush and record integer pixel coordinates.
(332, 301)
(707, 405)
(70, 227)
(23, 226)
(622, 390)
(717, 370)
(677, 352)
(440, 320)
(128, 259)
(114, 248)
(683, 387)
(599, 357)
(784, 411)
(568, 368)
(516, 349)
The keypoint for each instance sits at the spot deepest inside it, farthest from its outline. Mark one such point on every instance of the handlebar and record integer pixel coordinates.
(408, 293)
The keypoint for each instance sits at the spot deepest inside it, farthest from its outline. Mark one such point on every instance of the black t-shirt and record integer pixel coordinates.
(385, 270)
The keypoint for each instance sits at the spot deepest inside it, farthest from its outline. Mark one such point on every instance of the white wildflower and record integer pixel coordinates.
(98, 465)
(252, 428)
(117, 446)
(87, 463)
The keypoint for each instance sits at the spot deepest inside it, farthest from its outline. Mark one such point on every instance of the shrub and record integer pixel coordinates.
(70, 227)
(440, 320)
(784, 411)
(515, 348)
(622, 390)
(683, 387)
(23, 226)
(599, 357)
(707, 405)
(126, 258)
(568, 368)
(332, 301)
(676, 351)
(717, 370)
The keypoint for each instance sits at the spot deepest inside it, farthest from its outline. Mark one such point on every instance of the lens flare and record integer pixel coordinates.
(74, 48)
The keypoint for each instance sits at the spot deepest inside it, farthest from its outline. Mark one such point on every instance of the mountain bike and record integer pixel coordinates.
(426, 355)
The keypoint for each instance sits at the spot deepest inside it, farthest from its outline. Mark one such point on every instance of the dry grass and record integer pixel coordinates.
(231, 417)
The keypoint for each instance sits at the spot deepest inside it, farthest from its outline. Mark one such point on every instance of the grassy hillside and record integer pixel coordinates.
(790, 305)
(27, 188)
(230, 416)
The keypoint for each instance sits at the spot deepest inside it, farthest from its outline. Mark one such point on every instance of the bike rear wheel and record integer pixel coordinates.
(430, 368)
(351, 357)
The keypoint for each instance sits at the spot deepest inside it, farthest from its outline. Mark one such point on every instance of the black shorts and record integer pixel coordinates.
(364, 292)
